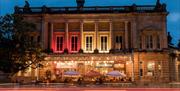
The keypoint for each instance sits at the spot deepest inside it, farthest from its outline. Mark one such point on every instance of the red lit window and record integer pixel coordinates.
(74, 43)
(59, 43)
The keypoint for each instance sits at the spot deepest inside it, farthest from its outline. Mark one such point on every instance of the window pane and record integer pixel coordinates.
(76, 43)
(105, 43)
(57, 43)
(118, 44)
(151, 41)
(90, 43)
(158, 42)
(38, 39)
(61, 44)
(140, 42)
(116, 39)
(72, 43)
(120, 39)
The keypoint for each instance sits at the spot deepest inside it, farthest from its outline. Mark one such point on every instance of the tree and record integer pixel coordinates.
(17, 51)
(178, 44)
(169, 39)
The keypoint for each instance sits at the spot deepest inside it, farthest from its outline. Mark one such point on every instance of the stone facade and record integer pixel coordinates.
(131, 39)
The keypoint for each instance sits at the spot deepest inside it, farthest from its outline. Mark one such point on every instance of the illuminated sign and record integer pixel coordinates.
(66, 65)
(104, 65)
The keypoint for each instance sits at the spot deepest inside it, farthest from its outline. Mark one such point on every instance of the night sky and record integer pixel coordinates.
(173, 7)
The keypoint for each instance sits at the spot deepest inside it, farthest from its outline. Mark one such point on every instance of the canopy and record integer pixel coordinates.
(71, 73)
(116, 74)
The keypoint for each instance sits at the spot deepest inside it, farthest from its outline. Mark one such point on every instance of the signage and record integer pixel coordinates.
(104, 65)
(66, 65)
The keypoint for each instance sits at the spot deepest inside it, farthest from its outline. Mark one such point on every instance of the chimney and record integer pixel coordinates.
(80, 3)
(158, 3)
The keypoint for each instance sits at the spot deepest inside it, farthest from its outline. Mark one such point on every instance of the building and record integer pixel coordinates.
(174, 64)
(130, 39)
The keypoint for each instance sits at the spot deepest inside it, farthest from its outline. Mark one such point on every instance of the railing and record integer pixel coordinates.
(94, 9)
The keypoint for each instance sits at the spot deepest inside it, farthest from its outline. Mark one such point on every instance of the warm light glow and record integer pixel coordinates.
(92, 58)
(107, 58)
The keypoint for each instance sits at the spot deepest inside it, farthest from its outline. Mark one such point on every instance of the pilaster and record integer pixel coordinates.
(126, 34)
(66, 35)
(82, 37)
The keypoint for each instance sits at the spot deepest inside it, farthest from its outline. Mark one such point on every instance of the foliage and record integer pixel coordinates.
(17, 52)
(178, 44)
(169, 39)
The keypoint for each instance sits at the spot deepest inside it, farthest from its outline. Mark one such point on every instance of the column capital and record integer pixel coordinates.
(81, 21)
(126, 22)
(66, 21)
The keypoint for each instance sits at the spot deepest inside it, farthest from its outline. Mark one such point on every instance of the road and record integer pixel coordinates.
(89, 89)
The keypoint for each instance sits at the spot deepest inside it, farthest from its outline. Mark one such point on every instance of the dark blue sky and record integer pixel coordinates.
(173, 6)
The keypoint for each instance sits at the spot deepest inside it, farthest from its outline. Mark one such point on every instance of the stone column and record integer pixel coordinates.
(164, 37)
(82, 37)
(66, 35)
(176, 69)
(111, 42)
(126, 35)
(133, 34)
(44, 35)
(96, 34)
(51, 36)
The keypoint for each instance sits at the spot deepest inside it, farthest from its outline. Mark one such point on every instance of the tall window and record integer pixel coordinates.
(140, 42)
(118, 42)
(149, 42)
(89, 43)
(59, 43)
(158, 42)
(32, 39)
(104, 43)
(74, 43)
(38, 39)
(150, 68)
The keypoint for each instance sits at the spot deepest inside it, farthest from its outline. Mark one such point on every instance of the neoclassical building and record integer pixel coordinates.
(130, 39)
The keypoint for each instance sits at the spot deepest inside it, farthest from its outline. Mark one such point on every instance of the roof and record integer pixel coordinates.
(91, 9)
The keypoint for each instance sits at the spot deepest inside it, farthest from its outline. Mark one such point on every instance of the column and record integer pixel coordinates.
(51, 36)
(126, 34)
(82, 37)
(111, 42)
(44, 36)
(133, 34)
(66, 35)
(37, 74)
(96, 35)
(176, 69)
(132, 60)
(164, 37)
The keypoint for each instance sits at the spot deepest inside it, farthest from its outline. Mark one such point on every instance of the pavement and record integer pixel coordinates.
(89, 89)
(97, 87)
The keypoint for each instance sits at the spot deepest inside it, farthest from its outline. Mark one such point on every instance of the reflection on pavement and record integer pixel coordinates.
(105, 90)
